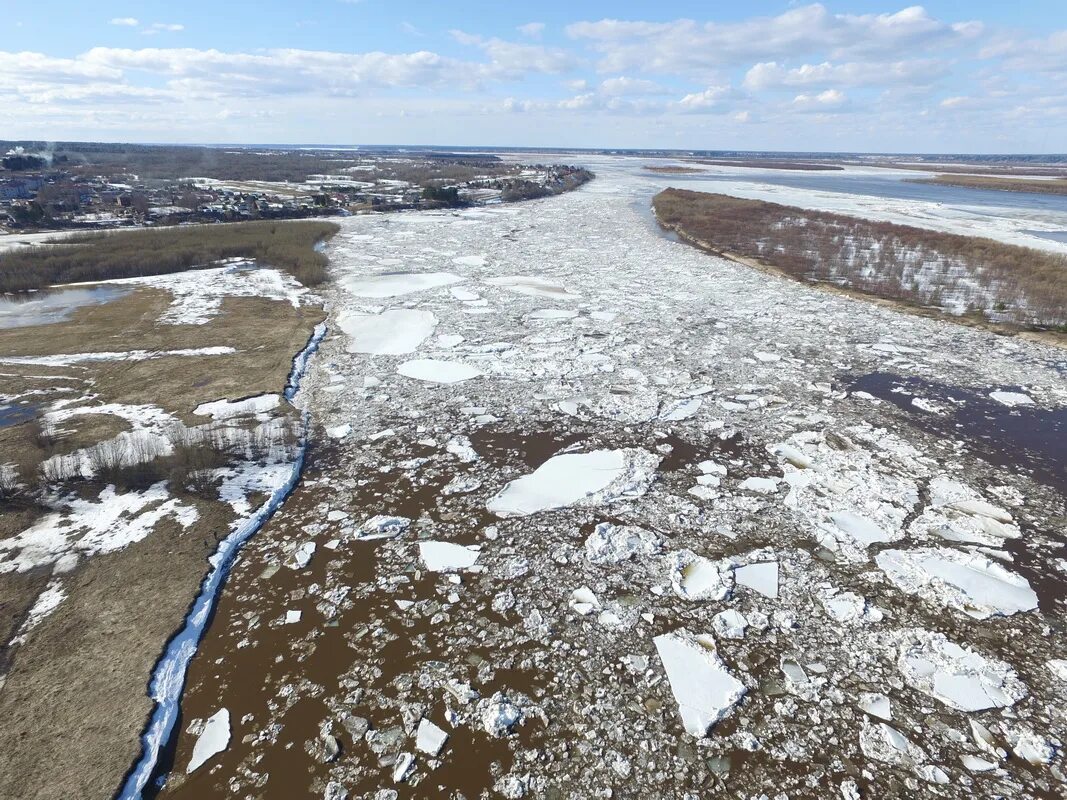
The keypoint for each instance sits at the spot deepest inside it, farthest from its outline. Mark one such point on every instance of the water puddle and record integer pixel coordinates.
(17, 414)
(53, 305)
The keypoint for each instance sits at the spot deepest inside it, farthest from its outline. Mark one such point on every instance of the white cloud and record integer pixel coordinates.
(630, 86)
(687, 46)
(830, 100)
(512, 59)
(704, 101)
(162, 27)
(532, 29)
(772, 75)
(127, 22)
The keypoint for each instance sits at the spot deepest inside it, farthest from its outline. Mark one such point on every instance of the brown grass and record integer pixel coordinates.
(126, 254)
(1003, 184)
(1017, 285)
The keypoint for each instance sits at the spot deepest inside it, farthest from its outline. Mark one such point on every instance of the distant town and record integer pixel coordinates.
(46, 187)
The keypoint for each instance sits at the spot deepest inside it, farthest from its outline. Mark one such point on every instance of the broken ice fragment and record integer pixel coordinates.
(212, 740)
(584, 601)
(860, 529)
(694, 577)
(762, 578)
(534, 287)
(292, 616)
(429, 738)
(759, 485)
(302, 555)
(339, 431)
(446, 556)
(611, 544)
(877, 705)
(405, 762)
(397, 283)
(729, 624)
(1012, 399)
(970, 582)
(957, 676)
(500, 715)
(680, 409)
(702, 686)
(383, 527)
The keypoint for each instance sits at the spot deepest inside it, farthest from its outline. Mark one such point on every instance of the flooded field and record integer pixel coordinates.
(54, 305)
(591, 513)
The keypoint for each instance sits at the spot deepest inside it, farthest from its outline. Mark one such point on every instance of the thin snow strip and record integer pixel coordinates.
(67, 359)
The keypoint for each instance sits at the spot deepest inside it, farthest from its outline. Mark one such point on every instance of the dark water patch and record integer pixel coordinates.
(55, 305)
(1026, 439)
(532, 448)
(17, 414)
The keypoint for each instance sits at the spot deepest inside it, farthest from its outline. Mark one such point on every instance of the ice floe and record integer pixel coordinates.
(535, 287)
(393, 332)
(432, 370)
(703, 687)
(969, 582)
(396, 284)
(593, 478)
(1012, 399)
(957, 676)
(213, 739)
(611, 544)
(761, 577)
(447, 556)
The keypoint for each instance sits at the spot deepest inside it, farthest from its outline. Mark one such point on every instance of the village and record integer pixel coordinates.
(52, 191)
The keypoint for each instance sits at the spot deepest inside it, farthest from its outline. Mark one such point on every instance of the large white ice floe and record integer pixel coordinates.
(593, 478)
(957, 676)
(761, 577)
(432, 370)
(213, 739)
(1012, 399)
(703, 687)
(535, 287)
(396, 284)
(969, 582)
(956, 513)
(447, 556)
(393, 332)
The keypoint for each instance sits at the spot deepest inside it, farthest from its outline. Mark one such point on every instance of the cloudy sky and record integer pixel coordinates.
(981, 76)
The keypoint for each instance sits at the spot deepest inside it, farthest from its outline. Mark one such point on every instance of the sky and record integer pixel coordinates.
(847, 75)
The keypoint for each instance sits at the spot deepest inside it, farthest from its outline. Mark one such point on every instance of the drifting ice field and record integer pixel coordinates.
(592, 512)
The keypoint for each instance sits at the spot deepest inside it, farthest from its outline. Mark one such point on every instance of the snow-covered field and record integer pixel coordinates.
(598, 515)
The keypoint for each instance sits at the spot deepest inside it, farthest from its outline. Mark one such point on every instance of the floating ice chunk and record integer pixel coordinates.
(461, 448)
(225, 409)
(694, 577)
(877, 705)
(398, 283)
(976, 764)
(302, 555)
(383, 527)
(212, 740)
(393, 332)
(969, 582)
(553, 313)
(584, 601)
(760, 485)
(882, 742)
(1058, 667)
(611, 544)
(464, 295)
(405, 763)
(603, 316)
(702, 686)
(339, 431)
(446, 556)
(500, 715)
(860, 529)
(729, 624)
(429, 738)
(449, 340)
(434, 371)
(292, 616)
(766, 358)
(599, 476)
(957, 676)
(470, 261)
(1034, 748)
(790, 454)
(762, 578)
(535, 287)
(461, 484)
(680, 409)
(848, 607)
(1012, 399)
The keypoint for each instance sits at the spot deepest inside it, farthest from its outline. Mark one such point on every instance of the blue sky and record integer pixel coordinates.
(856, 75)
